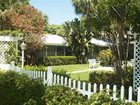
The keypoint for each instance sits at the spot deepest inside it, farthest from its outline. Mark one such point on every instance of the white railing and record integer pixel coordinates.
(84, 88)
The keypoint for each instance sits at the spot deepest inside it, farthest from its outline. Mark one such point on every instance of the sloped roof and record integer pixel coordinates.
(49, 39)
(100, 42)
(56, 40)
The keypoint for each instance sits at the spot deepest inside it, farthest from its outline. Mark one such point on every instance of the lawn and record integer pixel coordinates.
(81, 76)
(71, 68)
(84, 76)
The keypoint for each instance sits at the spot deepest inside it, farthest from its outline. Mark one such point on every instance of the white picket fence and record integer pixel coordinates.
(84, 88)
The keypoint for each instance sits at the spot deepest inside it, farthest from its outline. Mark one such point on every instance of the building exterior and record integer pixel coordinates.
(54, 45)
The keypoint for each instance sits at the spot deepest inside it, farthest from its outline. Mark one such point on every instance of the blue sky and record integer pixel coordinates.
(58, 11)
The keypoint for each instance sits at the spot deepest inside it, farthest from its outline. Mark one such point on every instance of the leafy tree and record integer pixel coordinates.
(55, 29)
(85, 7)
(28, 21)
(77, 39)
(7, 4)
(113, 19)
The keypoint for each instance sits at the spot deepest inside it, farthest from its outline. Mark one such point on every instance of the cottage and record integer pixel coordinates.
(54, 45)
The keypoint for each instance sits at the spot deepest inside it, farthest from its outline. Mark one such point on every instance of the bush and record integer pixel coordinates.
(104, 77)
(108, 77)
(59, 95)
(62, 73)
(105, 57)
(128, 76)
(59, 60)
(102, 98)
(18, 89)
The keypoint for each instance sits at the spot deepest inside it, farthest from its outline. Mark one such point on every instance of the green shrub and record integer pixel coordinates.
(16, 89)
(59, 60)
(108, 77)
(105, 57)
(30, 102)
(62, 73)
(102, 98)
(59, 95)
(104, 77)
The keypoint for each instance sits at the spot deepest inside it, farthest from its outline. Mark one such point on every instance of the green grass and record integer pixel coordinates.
(84, 76)
(70, 68)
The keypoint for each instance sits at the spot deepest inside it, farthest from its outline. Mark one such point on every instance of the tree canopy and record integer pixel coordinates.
(113, 20)
(55, 29)
(27, 20)
(7, 4)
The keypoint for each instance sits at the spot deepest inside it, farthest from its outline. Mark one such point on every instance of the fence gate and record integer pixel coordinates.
(6, 45)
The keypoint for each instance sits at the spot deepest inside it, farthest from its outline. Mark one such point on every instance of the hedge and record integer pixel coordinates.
(108, 77)
(103, 77)
(59, 60)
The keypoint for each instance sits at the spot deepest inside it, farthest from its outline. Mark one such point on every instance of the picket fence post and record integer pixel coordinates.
(101, 87)
(54, 79)
(69, 83)
(66, 81)
(49, 76)
(89, 90)
(12, 66)
(62, 80)
(130, 94)
(107, 88)
(43, 76)
(84, 86)
(138, 95)
(74, 84)
(122, 92)
(114, 92)
(58, 79)
(79, 85)
(95, 88)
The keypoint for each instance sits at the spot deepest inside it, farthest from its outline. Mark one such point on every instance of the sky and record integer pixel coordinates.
(58, 11)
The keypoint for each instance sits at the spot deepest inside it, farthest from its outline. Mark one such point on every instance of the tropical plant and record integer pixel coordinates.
(78, 39)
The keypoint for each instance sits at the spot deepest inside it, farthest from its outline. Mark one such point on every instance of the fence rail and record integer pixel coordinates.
(84, 88)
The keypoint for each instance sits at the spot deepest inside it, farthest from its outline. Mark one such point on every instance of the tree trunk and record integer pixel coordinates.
(121, 51)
